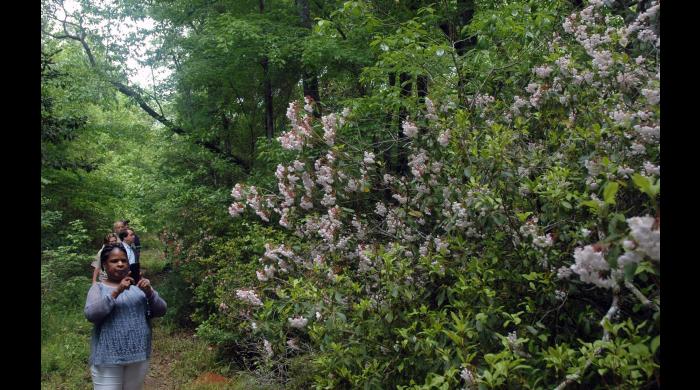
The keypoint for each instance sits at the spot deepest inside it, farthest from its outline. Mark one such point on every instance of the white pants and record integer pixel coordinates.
(119, 377)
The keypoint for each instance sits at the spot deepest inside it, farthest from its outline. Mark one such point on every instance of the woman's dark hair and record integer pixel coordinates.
(105, 241)
(106, 251)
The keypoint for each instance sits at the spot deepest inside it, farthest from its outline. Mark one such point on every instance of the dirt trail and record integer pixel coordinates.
(160, 373)
(162, 363)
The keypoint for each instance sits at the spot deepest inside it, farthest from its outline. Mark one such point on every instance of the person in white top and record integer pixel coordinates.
(118, 227)
(98, 273)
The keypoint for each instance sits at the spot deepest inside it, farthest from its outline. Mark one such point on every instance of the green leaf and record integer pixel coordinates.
(523, 216)
(655, 344)
(592, 204)
(610, 191)
(415, 213)
(646, 186)
(630, 270)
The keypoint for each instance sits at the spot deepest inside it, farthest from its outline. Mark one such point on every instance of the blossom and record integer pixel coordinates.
(564, 272)
(297, 322)
(629, 257)
(237, 191)
(292, 111)
(468, 376)
(652, 95)
(292, 344)
(308, 104)
(368, 158)
(306, 203)
(248, 296)
(401, 199)
(651, 169)
(513, 339)
(236, 208)
(268, 348)
(430, 107)
(590, 264)
(543, 241)
(409, 129)
(648, 239)
(518, 103)
(417, 163)
(329, 127)
(441, 246)
(444, 138)
(299, 166)
(328, 200)
(560, 295)
(542, 71)
(380, 209)
(291, 140)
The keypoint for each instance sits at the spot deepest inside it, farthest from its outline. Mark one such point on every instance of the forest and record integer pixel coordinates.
(387, 194)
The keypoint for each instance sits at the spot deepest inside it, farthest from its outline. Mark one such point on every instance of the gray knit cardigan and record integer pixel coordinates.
(121, 334)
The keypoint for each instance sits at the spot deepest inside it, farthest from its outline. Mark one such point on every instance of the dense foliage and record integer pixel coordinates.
(520, 247)
(460, 193)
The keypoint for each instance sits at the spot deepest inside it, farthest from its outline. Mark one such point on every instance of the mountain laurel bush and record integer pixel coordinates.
(519, 247)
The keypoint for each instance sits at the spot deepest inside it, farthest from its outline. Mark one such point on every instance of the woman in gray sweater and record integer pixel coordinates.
(121, 338)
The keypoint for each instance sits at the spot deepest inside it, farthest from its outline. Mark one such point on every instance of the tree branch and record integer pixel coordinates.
(133, 94)
(614, 308)
(645, 301)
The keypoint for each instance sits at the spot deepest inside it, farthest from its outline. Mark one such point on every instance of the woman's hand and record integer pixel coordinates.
(123, 285)
(145, 285)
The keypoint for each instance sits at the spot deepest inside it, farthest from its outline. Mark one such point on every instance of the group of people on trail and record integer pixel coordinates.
(121, 338)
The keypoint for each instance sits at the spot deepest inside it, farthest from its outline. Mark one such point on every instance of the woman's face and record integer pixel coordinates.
(117, 265)
(112, 240)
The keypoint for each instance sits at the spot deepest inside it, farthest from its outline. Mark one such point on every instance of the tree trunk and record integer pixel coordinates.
(406, 88)
(388, 166)
(267, 85)
(422, 90)
(309, 80)
(269, 129)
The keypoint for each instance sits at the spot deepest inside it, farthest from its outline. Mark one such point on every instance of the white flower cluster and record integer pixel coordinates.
(237, 191)
(267, 347)
(267, 273)
(529, 229)
(365, 263)
(417, 163)
(481, 100)
(430, 108)
(248, 296)
(468, 376)
(236, 208)
(380, 209)
(444, 138)
(297, 322)
(648, 238)
(409, 129)
(542, 71)
(294, 139)
(518, 103)
(591, 266)
(651, 169)
(329, 128)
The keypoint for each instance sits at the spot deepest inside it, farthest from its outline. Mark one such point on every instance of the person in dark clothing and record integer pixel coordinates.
(137, 241)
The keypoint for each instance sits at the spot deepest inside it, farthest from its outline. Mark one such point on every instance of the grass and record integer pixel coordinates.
(65, 344)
